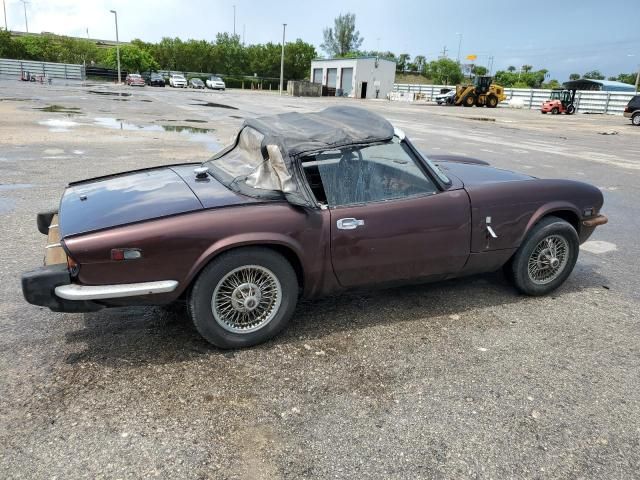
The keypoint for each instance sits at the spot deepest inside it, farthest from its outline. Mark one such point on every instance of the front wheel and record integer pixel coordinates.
(555, 111)
(492, 101)
(469, 101)
(546, 257)
(571, 110)
(244, 297)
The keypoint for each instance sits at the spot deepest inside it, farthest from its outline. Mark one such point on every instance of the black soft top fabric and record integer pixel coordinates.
(299, 133)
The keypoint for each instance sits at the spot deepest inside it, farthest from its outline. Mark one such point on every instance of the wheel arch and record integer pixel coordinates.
(565, 211)
(285, 246)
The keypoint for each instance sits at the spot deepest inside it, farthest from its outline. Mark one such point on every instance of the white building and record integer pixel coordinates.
(363, 77)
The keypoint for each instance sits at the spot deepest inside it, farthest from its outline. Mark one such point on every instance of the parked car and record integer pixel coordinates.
(632, 110)
(301, 206)
(215, 83)
(134, 80)
(447, 98)
(177, 81)
(155, 80)
(196, 83)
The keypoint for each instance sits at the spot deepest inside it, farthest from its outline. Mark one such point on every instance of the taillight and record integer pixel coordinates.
(72, 266)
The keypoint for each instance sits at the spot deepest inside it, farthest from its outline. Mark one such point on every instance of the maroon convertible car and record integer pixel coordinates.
(302, 205)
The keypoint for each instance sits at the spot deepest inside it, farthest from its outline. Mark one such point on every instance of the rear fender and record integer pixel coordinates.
(245, 240)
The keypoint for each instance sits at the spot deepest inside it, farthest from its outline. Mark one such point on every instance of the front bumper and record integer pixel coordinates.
(39, 285)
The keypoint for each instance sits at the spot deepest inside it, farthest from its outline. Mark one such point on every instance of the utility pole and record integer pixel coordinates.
(284, 28)
(117, 45)
(459, 45)
(4, 5)
(244, 30)
(444, 52)
(638, 77)
(234, 20)
(26, 24)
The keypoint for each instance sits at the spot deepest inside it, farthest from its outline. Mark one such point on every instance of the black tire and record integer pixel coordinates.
(469, 101)
(201, 295)
(492, 101)
(518, 268)
(555, 111)
(571, 109)
(543, 112)
(635, 120)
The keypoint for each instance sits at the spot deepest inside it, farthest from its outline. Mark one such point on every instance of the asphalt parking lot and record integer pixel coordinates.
(462, 379)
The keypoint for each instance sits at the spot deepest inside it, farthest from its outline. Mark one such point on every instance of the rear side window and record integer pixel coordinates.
(635, 102)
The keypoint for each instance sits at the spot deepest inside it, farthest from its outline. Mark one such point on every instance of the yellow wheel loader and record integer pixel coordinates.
(481, 93)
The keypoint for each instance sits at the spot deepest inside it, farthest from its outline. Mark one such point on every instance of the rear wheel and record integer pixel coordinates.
(469, 101)
(571, 110)
(546, 257)
(244, 297)
(636, 120)
(555, 111)
(492, 101)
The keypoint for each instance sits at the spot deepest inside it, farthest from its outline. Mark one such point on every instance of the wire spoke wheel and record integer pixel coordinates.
(548, 259)
(246, 299)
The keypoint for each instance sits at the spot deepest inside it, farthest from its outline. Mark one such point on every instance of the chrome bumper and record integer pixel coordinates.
(74, 291)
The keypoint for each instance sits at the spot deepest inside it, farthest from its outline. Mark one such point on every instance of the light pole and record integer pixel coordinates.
(234, 20)
(117, 45)
(459, 45)
(284, 28)
(4, 5)
(26, 24)
(638, 73)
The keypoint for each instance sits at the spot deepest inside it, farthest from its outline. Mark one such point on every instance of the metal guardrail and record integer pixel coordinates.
(16, 68)
(587, 101)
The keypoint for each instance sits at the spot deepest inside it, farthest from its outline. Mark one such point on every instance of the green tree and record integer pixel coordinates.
(593, 75)
(9, 48)
(343, 37)
(479, 70)
(419, 62)
(629, 78)
(444, 71)
(132, 59)
(526, 68)
(574, 76)
(511, 68)
(552, 85)
(403, 62)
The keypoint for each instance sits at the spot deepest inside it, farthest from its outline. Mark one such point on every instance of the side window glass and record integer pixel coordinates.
(368, 174)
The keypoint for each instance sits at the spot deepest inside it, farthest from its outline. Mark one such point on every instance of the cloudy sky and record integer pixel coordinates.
(564, 37)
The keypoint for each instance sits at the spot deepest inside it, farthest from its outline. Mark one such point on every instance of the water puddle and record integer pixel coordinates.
(186, 129)
(214, 105)
(105, 92)
(60, 109)
(119, 124)
(58, 125)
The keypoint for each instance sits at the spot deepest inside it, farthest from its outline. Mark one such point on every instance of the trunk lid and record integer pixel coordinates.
(137, 196)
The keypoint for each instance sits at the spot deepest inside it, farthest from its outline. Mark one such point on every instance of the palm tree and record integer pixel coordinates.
(511, 68)
(526, 68)
(420, 61)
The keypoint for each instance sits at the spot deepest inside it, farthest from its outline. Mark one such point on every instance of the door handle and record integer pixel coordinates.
(349, 223)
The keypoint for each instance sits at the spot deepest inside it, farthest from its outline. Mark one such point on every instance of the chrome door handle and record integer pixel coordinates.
(349, 223)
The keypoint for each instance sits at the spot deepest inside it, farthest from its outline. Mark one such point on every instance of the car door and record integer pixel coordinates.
(389, 220)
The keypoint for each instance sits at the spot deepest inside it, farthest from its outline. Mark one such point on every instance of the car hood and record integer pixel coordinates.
(137, 196)
(473, 172)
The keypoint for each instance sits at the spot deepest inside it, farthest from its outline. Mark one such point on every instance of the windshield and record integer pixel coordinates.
(134, 75)
(178, 77)
(436, 169)
(216, 79)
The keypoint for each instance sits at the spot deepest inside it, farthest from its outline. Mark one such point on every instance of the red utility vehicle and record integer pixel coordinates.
(561, 101)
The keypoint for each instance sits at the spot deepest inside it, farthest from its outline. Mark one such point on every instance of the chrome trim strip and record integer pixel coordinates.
(74, 291)
(53, 245)
(53, 225)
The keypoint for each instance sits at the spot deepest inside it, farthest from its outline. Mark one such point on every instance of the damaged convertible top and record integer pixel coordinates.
(262, 161)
